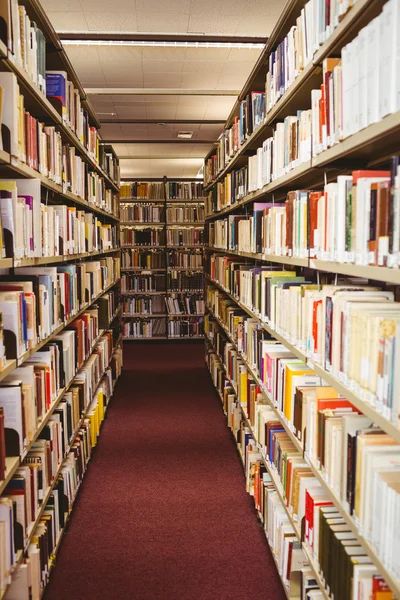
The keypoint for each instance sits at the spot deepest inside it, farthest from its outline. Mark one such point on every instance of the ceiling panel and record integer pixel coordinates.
(164, 150)
(159, 167)
(169, 131)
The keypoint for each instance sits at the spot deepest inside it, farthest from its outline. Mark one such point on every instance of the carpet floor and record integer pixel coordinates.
(162, 512)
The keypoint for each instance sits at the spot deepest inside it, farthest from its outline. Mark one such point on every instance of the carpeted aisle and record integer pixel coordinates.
(163, 512)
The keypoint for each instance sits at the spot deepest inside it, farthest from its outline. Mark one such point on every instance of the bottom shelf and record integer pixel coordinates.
(144, 339)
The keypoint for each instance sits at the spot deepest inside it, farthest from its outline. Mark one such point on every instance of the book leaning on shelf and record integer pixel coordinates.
(332, 419)
(353, 220)
(52, 471)
(37, 300)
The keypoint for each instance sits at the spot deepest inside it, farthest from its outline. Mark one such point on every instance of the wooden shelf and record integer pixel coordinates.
(285, 260)
(186, 337)
(12, 464)
(185, 315)
(185, 246)
(144, 339)
(143, 316)
(47, 260)
(392, 581)
(141, 269)
(43, 109)
(368, 272)
(132, 293)
(140, 224)
(299, 93)
(185, 224)
(142, 247)
(185, 268)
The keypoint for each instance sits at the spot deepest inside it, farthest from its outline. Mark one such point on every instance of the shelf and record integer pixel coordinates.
(191, 201)
(298, 95)
(185, 315)
(368, 271)
(392, 581)
(37, 102)
(186, 224)
(132, 293)
(186, 337)
(185, 246)
(16, 168)
(141, 269)
(285, 260)
(376, 140)
(8, 368)
(143, 316)
(42, 343)
(185, 268)
(144, 339)
(142, 247)
(12, 464)
(385, 274)
(6, 263)
(315, 571)
(139, 224)
(303, 175)
(46, 260)
(140, 200)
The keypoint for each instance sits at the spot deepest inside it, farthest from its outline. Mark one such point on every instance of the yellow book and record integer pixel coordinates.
(243, 385)
(296, 375)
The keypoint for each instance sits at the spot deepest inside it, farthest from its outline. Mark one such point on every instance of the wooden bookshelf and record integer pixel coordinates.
(167, 225)
(350, 521)
(12, 167)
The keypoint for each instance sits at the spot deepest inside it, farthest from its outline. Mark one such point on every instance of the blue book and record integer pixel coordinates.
(56, 89)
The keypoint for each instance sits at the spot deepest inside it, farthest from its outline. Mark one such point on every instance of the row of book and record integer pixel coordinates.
(232, 188)
(143, 283)
(157, 259)
(38, 145)
(144, 328)
(351, 221)
(184, 190)
(279, 531)
(185, 304)
(171, 190)
(185, 328)
(51, 473)
(27, 46)
(130, 236)
(189, 214)
(185, 280)
(35, 301)
(143, 305)
(31, 228)
(142, 213)
(328, 419)
(349, 329)
(42, 148)
(191, 236)
(349, 101)
(31, 390)
(353, 95)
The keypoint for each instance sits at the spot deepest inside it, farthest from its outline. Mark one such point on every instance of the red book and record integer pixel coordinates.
(380, 589)
(2, 446)
(313, 209)
(362, 174)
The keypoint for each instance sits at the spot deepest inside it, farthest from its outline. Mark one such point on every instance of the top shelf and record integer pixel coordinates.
(299, 94)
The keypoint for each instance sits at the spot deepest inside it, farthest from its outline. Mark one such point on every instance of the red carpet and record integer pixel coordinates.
(163, 512)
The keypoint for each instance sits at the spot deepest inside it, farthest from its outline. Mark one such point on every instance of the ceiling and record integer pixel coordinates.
(163, 68)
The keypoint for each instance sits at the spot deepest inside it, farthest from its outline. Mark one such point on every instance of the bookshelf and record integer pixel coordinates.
(59, 292)
(171, 212)
(265, 264)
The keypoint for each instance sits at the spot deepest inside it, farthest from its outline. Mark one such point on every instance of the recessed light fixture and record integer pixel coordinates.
(185, 135)
(110, 114)
(154, 44)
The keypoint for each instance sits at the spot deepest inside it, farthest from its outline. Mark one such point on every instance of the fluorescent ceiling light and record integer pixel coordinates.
(185, 135)
(153, 44)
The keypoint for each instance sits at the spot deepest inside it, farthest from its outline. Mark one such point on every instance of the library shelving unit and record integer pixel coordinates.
(286, 244)
(162, 223)
(61, 340)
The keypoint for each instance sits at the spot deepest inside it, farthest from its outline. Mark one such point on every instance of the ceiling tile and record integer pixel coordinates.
(208, 23)
(162, 80)
(199, 81)
(222, 7)
(164, 53)
(203, 66)
(56, 6)
(68, 21)
(165, 22)
(162, 66)
(126, 6)
(174, 6)
(111, 21)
